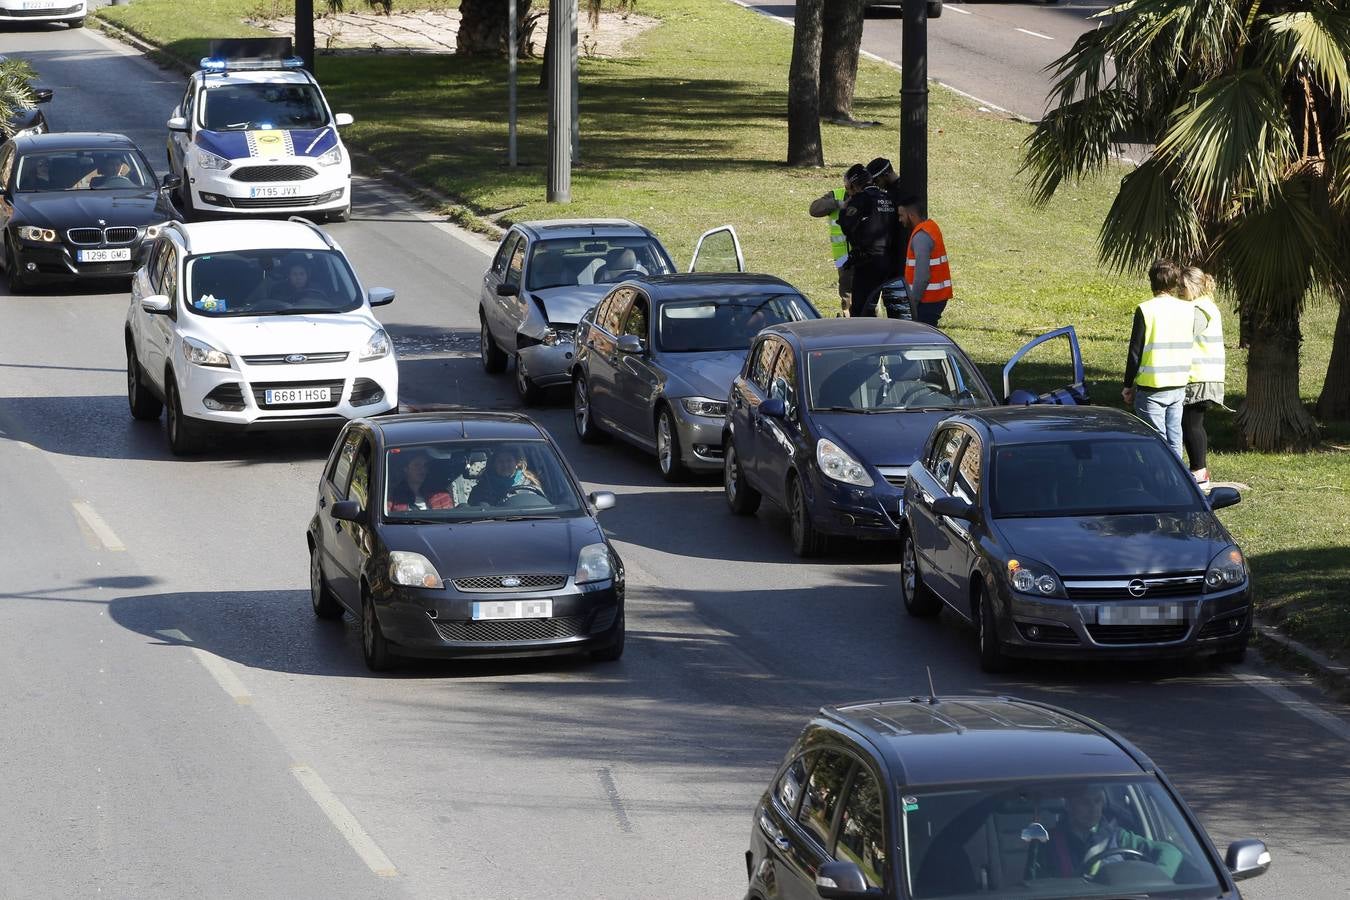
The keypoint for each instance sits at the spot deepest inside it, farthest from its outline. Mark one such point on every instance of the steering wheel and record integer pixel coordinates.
(615, 277)
(311, 294)
(521, 488)
(1086, 867)
(908, 393)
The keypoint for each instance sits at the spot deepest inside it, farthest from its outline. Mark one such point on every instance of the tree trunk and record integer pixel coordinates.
(1272, 417)
(1334, 403)
(841, 42)
(804, 147)
(483, 28)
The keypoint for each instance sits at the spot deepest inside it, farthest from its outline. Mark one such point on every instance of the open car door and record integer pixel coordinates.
(718, 250)
(1041, 382)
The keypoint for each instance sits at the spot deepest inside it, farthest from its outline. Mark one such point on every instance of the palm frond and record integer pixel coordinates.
(1319, 36)
(1279, 246)
(1074, 140)
(1338, 173)
(1149, 218)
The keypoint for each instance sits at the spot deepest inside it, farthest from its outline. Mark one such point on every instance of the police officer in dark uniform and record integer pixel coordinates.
(885, 177)
(867, 221)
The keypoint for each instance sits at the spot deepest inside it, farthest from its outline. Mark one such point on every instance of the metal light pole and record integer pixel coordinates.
(562, 18)
(576, 92)
(304, 32)
(914, 102)
(513, 38)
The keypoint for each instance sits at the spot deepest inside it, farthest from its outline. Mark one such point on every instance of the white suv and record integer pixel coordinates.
(256, 325)
(257, 136)
(71, 12)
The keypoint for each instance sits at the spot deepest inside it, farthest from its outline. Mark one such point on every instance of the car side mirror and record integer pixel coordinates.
(632, 344)
(1221, 497)
(177, 123)
(380, 296)
(1247, 859)
(507, 289)
(953, 508)
(602, 500)
(171, 183)
(157, 304)
(42, 95)
(342, 120)
(774, 408)
(841, 879)
(349, 511)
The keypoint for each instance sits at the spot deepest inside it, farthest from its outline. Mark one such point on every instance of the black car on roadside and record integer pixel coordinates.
(1071, 532)
(979, 797)
(77, 206)
(463, 534)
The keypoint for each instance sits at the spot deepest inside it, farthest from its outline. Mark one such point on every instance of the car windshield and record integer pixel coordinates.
(271, 283)
(239, 107)
(725, 323)
(592, 260)
(82, 170)
(889, 379)
(1119, 837)
(1087, 476)
(456, 481)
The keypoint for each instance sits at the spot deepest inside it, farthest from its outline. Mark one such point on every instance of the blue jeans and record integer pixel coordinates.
(1162, 408)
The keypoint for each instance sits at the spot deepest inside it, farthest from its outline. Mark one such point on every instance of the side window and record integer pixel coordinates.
(189, 106)
(861, 838)
(517, 263)
(967, 484)
(636, 321)
(610, 315)
(822, 794)
(342, 464)
(944, 454)
(783, 381)
(789, 788)
(168, 276)
(153, 261)
(360, 486)
(762, 364)
(505, 251)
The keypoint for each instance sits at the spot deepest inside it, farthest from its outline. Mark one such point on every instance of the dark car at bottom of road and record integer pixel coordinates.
(974, 797)
(463, 535)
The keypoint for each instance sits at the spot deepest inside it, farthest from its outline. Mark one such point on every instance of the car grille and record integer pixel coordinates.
(492, 584)
(334, 392)
(117, 234)
(270, 202)
(894, 475)
(120, 234)
(1184, 584)
(512, 630)
(279, 359)
(273, 173)
(24, 13)
(1138, 634)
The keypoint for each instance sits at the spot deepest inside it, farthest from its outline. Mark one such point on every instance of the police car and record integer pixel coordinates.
(255, 135)
(71, 12)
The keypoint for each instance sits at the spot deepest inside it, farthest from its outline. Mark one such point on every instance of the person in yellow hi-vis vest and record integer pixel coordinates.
(1162, 341)
(829, 206)
(1205, 387)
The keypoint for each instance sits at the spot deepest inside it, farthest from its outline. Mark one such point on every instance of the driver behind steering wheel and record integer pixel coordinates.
(299, 286)
(506, 474)
(1084, 840)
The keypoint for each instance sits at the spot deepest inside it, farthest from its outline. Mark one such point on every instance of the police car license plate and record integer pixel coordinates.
(273, 191)
(42, 4)
(513, 609)
(1149, 614)
(119, 254)
(284, 396)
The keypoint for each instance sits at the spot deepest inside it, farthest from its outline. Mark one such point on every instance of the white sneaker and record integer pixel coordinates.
(1201, 477)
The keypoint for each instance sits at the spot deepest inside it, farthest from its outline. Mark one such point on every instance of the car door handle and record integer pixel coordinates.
(782, 843)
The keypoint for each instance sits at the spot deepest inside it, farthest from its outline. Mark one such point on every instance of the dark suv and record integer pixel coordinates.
(978, 796)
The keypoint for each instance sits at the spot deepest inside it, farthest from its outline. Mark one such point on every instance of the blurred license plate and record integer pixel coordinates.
(42, 4)
(513, 609)
(282, 396)
(119, 254)
(273, 191)
(1156, 614)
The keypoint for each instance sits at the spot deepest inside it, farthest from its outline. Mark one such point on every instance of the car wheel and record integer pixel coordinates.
(669, 456)
(145, 406)
(78, 23)
(185, 434)
(374, 648)
(741, 497)
(920, 602)
(992, 657)
(321, 596)
(587, 430)
(14, 279)
(530, 393)
(614, 650)
(806, 540)
(494, 360)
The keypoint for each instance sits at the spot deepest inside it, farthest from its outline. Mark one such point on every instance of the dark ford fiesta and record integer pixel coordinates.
(76, 206)
(461, 535)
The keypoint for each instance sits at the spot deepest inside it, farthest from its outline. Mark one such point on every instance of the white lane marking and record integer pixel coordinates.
(344, 822)
(957, 9)
(1287, 698)
(219, 669)
(106, 536)
(1044, 37)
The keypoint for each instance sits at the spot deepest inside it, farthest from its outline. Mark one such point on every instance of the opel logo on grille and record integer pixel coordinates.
(510, 581)
(296, 358)
(1137, 588)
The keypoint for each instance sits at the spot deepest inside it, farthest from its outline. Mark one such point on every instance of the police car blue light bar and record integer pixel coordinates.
(217, 64)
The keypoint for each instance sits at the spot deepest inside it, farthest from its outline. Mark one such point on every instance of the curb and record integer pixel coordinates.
(1315, 660)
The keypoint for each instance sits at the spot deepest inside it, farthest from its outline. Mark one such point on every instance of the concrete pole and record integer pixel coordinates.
(576, 92)
(512, 37)
(562, 32)
(914, 102)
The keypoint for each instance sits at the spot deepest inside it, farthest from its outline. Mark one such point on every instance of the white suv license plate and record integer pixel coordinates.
(285, 396)
(273, 191)
(117, 254)
(513, 609)
(1153, 614)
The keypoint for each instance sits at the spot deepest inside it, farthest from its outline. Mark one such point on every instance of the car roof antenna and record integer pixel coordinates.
(932, 691)
(459, 402)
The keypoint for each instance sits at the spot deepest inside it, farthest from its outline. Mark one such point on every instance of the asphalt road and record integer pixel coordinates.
(176, 723)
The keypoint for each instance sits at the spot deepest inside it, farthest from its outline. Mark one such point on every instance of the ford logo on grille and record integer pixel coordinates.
(296, 358)
(1137, 588)
(510, 581)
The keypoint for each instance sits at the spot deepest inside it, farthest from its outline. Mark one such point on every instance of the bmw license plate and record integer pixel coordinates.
(273, 191)
(117, 254)
(288, 396)
(513, 609)
(1150, 614)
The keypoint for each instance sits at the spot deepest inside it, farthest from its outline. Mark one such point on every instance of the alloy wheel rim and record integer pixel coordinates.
(483, 341)
(131, 378)
(173, 414)
(732, 473)
(798, 529)
(522, 380)
(581, 402)
(908, 568)
(663, 442)
(983, 633)
(368, 629)
(315, 587)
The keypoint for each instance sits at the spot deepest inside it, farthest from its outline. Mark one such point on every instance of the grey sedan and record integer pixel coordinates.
(655, 360)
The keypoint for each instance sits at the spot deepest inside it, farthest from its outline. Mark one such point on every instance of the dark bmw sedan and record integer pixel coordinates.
(1071, 531)
(968, 797)
(75, 206)
(463, 535)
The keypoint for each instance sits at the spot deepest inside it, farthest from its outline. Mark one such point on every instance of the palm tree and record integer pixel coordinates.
(1246, 105)
(16, 92)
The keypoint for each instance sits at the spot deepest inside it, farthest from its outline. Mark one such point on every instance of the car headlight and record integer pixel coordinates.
(702, 406)
(413, 570)
(33, 233)
(203, 354)
(377, 347)
(24, 132)
(208, 160)
(1227, 570)
(838, 465)
(1028, 577)
(152, 231)
(556, 336)
(331, 158)
(593, 564)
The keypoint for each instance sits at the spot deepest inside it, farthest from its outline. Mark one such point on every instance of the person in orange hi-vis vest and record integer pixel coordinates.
(928, 274)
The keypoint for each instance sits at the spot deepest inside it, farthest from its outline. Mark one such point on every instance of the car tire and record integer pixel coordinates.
(806, 540)
(186, 436)
(530, 393)
(374, 648)
(190, 213)
(992, 657)
(14, 279)
(587, 431)
(145, 406)
(615, 649)
(669, 454)
(78, 23)
(326, 606)
(920, 602)
(494, 359)
(741, 497)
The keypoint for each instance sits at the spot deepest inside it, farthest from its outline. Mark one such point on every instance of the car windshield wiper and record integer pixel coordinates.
(528, 518)
(843, 409)
(402, 521)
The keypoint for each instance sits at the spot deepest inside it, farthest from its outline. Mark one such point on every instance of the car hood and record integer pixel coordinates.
(702, 374)
(543, 547)
(882, 439)
(269, 144)
(566, 305)
(78, 209)
(1121, 545)
(261, 335)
